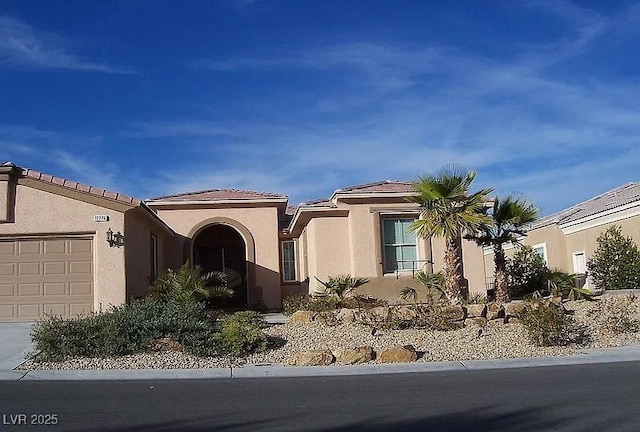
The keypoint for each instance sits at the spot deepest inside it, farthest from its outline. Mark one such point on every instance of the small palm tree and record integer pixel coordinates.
(449, 210)
(190, 284)
(509, 218)
(340, 286)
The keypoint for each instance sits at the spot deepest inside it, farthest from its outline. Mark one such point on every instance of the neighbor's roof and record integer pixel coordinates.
(620, 196)
(73, 185)
(380, 186)
(218, 195)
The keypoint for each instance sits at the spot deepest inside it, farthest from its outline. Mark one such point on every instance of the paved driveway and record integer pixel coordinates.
(14, 343)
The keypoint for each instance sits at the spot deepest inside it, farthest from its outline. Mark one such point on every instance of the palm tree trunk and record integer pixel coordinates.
(453, 270)
(502, 290)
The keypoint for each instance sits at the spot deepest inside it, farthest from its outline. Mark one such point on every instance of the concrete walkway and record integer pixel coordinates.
(609, 355)
(15, 342)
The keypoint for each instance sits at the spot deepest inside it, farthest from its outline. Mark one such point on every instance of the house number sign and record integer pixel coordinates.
(101, 218)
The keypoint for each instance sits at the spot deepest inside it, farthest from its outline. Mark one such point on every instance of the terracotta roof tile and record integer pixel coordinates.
(69, 184)
(625, 194)
(381, 186)
(219, 195)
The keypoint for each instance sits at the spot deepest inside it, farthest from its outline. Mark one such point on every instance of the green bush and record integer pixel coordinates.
(191, 284)
(126, 329)
(340, 286)
(546, 323)
(242, 334)
(295, 302)
(616, 261)
(526, 272)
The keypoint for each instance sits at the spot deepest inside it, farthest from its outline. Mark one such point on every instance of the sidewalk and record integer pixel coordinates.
(609, 355)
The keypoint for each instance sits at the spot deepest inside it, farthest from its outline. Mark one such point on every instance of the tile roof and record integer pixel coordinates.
(72, 185)
(218, 195)
(381, 186)
(625, 194)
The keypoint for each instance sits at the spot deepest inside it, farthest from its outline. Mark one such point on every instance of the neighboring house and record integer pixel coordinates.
(69, 249)
(566, 240)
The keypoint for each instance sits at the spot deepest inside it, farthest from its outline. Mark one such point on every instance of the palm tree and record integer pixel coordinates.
(509, 218)
(449, 210)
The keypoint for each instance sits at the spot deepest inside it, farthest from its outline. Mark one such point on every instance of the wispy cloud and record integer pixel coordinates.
(23, 46)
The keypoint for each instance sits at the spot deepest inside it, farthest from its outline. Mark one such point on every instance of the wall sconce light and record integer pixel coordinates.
(114, 239)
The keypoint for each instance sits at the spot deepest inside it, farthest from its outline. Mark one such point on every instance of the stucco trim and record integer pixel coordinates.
(118, 206)
(47, 235)
(625, 212)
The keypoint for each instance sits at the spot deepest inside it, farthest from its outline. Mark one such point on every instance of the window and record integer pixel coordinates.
(579, 263)
(289, 273)
(400, 251)
(153, 249)
(541, 250)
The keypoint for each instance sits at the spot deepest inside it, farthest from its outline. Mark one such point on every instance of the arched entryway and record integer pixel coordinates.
(220, 247)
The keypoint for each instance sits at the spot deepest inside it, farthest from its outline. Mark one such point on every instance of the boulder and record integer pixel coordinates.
(405, 354)
(302, 317)
(327, 318)
(313, 358)
(166, 344)
(514, 308)
(475, 322)
(455, 313)
(346, 316)
(406, 313)
(476, 310)
(494, 311)
(357, 355)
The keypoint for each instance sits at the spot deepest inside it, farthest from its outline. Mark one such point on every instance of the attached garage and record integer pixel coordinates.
(45, 276)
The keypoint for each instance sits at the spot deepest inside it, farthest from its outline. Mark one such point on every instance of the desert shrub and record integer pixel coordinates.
(242, 333)
(526, 272)
(476, 298)
(295, 302)
(563, 284)
(190, 284)
(362, 302)
(616, 261)
(340, 286)
(259, 306)
(620, 315)
(547, 324)
(126, 329)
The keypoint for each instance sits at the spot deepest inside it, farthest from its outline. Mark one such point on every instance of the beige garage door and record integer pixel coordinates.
(52, 276)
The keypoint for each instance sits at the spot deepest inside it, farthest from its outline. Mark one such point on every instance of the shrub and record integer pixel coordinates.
(190, 284)
(526, 272)
(561, 283)
(616, 261)
(548, 325)
(340, 286)
(242, 334)
(295, 302)
(126, 329)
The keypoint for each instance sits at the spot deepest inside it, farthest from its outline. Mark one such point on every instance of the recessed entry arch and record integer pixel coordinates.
(223, 244)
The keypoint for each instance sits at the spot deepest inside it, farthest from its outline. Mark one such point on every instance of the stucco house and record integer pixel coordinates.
(68, 248)
(566, 240)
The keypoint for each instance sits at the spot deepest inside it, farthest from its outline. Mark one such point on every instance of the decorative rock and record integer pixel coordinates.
(476, 310)
(346, 316)
(313, 358)
(455, 313)
(476, 322)
(326, 318)
(514, 308)
(405, 312)
(357, 355)
(302, 317)
(494, 311)
(403, 354)
(166, 344)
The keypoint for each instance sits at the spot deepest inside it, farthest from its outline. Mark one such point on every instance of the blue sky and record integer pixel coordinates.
(302, 97)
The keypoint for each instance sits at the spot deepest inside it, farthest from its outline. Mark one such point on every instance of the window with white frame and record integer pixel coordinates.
(289, 271)
(541, 250)
(400, 246)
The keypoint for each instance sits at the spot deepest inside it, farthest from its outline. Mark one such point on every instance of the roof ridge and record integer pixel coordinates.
(181, 194)
(376, 183)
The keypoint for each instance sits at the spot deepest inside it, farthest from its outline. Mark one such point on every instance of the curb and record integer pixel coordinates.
(591, 356)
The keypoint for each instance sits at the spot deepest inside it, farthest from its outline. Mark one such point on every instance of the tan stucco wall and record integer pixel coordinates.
(261, 223)
(138, 227)
(328, 249)
(40, 213)
(4, 200)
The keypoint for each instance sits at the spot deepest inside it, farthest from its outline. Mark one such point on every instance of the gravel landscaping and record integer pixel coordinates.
(498, 340)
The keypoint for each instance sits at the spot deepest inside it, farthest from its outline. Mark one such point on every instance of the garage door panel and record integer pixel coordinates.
(29, 290)
(29, 248)
(7, 269)
(55, 288)
(45, 277)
